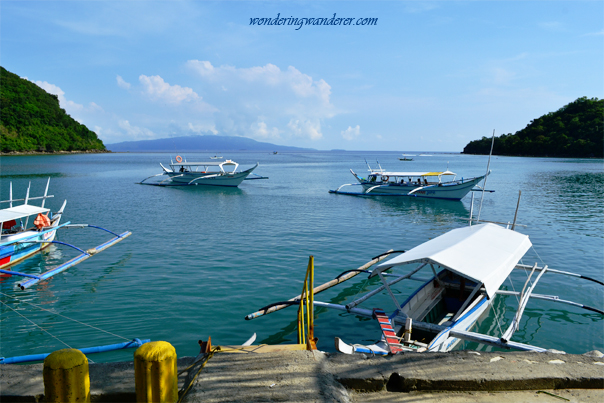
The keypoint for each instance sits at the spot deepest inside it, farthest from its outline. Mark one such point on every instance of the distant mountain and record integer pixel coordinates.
(31, 120)
(200, 143)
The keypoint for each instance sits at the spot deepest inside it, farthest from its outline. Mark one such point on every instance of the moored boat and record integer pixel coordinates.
(431, 184)
(468, 267)
(212, 173)
(19, 240)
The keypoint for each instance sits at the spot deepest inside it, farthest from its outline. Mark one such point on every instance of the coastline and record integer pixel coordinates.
(21, 153)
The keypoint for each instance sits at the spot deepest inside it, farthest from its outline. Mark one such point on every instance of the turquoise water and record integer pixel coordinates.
(200, 259)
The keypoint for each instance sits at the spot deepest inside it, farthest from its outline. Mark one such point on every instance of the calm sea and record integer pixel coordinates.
(202, 258)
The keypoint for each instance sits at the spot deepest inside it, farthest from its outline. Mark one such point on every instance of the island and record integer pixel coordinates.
(32, 121)
(574, 131)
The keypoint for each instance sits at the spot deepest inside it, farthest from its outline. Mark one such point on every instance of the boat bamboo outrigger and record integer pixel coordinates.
(213, 173)
(19, 241)
(425, 184)
(468, 267)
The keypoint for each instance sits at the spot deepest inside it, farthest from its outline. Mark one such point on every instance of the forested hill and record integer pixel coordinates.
(575, 130)
(32, 120)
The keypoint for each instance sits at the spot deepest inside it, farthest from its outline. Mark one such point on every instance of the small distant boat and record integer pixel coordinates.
(216, 157)
(275, 152)
(405, 159)
(417, 184)
(183, 173)
(19, 241)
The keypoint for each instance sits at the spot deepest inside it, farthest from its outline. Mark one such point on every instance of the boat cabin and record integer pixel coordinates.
(409, 178)
(227, 166)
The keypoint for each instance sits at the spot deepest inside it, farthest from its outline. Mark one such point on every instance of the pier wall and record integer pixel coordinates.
(302, 376)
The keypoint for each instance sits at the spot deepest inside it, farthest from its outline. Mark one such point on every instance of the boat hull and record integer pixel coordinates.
(12, 252)
(452, 191)
(210, 178)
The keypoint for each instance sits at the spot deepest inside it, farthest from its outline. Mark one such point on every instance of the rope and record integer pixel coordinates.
(496, 318)
(63, 316)
(207, 358)
(33, 323)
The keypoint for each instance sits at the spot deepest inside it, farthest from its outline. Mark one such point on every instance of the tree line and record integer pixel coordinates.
(575, 131)
(32, 120)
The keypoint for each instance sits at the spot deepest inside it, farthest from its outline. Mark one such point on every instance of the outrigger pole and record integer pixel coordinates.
(76, 260)
(345, 276)
(88, 350)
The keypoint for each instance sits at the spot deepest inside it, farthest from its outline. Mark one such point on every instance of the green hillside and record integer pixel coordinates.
(575, 130)
(32, 120)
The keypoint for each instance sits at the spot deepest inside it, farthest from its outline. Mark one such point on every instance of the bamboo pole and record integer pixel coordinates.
(320, 288)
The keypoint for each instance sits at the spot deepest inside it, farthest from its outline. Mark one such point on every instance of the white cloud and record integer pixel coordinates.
(305, 128)
(552, 26)
(265, 101)
(122, 84)
(158, 89)
(599, 33)
(70, 107)
(202, 128)
(135, 132)
(351, 133)
(261, 130)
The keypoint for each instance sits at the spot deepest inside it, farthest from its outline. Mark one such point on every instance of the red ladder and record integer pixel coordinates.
(389, 334)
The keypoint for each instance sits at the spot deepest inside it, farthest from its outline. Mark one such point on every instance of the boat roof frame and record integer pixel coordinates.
(411, 174)
(470, 252)
(22, 211)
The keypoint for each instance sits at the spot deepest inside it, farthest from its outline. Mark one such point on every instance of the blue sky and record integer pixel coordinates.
(429, 76)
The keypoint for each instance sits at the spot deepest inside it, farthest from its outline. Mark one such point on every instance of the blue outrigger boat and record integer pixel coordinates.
(19, 240)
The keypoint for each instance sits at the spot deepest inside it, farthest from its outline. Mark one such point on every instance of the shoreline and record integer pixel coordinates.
(22, 153)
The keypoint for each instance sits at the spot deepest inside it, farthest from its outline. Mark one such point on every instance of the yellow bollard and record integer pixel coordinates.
(155, 373)
(66, 377)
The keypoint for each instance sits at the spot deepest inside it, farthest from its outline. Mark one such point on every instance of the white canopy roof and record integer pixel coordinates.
(206, 164)
(24, 210)
(485, 253)
(416, 174)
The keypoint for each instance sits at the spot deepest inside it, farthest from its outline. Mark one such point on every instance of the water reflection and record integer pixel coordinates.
(411, 206)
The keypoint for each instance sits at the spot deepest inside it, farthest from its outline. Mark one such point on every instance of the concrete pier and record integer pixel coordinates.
(305, 376)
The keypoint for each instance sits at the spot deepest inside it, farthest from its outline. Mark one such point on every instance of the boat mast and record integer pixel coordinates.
(484, 185)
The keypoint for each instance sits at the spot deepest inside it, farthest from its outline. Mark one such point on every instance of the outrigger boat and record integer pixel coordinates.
(468, 266)
(183, 173)
(19, 241)
(431, 185)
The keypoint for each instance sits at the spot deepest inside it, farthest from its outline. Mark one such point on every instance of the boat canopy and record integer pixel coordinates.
(484, 253)
(412, 174)
(24, 210)
(205, 164)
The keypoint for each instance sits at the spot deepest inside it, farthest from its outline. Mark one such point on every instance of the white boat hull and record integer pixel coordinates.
(210, 178)
(453, 191)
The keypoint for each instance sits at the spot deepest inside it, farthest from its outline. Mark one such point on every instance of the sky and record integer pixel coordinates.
(390, 76)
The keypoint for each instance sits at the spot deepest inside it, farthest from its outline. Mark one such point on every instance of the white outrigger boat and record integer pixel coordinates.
(431, 185)
(468, 266)
(19, 241)
(212, 173)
